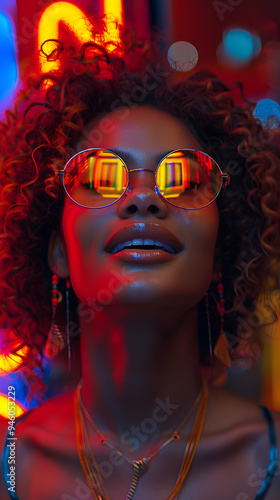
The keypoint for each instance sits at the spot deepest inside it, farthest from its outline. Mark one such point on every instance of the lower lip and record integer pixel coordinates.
(143, 255)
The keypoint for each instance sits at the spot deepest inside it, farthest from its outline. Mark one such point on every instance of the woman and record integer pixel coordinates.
(142, 423)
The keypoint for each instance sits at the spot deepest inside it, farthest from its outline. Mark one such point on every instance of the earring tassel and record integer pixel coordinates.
(55, 341)
(221, 348)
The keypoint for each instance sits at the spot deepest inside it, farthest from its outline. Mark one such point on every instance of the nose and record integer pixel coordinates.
(140, 195)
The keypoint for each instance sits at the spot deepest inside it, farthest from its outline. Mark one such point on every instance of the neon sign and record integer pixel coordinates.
(78, 22)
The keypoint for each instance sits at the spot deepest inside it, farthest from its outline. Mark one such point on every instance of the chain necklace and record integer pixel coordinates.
(140, 466)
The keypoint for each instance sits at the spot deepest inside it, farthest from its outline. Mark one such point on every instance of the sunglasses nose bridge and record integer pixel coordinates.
(137, 170)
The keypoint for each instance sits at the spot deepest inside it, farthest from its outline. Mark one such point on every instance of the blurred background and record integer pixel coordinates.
(236, 39)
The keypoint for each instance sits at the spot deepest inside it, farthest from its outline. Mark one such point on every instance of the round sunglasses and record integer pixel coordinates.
(186, 178)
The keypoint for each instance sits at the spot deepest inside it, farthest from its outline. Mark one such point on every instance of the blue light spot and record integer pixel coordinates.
(268, 112)
(8, 64)
(239, 44)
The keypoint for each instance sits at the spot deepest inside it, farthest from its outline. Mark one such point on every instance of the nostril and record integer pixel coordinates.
(143, 201)
(132, 209)
(153, 209)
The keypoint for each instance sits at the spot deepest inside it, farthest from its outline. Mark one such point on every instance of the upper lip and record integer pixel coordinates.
(143, 230)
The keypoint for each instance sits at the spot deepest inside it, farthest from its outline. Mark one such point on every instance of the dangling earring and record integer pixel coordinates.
(55, 341)
(221, 349)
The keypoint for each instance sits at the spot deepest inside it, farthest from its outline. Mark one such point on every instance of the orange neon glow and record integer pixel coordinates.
(53, 14)
(16, 409)
(78, 23)
(113, 8)
(11, 362)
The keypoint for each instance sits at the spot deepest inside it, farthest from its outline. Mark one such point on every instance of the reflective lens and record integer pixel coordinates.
(188, 178)
(95, 178)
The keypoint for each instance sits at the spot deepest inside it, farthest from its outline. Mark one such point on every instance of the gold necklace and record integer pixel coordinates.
(91, 470)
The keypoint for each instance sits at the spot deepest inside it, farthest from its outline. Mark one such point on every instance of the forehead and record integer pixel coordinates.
(143, 130)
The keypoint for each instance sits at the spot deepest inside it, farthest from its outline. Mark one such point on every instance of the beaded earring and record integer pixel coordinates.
(55, 341)
(221, 349)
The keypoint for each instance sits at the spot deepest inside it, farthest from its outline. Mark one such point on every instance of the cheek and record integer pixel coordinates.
(204, 225)
(92, 280)
(78, 233)
(81, 232)
(209, 239)
(202, 230)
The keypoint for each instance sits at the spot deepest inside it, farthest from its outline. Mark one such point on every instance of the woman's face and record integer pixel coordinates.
(102, 279)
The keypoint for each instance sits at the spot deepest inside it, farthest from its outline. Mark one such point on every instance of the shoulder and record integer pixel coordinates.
(50, 425)
(239, 424)
(45, 437)
(230, 410)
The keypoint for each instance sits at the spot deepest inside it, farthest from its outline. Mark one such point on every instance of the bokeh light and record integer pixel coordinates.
(238, 44)
(182, 56)
(238, 47)
(268, 112)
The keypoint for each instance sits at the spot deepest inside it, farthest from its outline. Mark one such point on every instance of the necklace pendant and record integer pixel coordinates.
(139, 467)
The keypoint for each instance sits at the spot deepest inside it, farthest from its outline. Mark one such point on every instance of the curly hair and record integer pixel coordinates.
(38, 136)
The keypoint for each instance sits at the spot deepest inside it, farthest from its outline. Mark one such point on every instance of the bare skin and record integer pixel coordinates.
(141, 347)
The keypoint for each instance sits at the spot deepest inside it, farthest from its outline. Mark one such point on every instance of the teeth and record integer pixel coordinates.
(138, 242)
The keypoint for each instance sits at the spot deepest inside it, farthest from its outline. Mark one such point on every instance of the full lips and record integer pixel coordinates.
(143, 230)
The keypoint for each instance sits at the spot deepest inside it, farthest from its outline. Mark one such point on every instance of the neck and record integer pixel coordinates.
(137, 367)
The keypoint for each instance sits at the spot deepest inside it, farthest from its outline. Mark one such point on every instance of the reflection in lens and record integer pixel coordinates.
(189, 178)
(95, 178)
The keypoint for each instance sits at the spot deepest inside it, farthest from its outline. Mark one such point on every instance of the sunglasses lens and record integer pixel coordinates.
(189, 178)
(95, 178)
